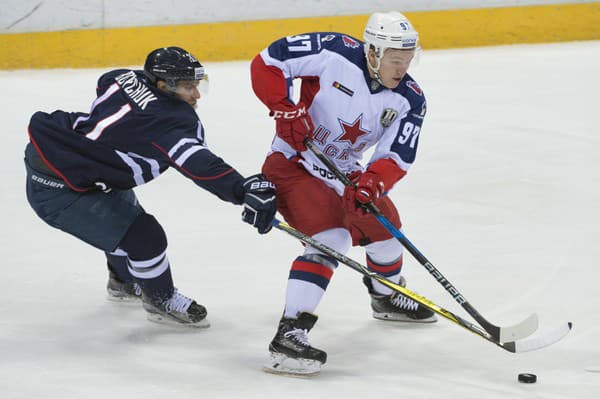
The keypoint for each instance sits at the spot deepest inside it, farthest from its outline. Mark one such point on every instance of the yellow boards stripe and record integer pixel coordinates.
(242, 40)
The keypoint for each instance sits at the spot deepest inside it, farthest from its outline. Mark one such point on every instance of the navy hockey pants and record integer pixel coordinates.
(100, 219)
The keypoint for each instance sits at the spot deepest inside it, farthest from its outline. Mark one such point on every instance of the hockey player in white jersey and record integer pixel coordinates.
(353, 96)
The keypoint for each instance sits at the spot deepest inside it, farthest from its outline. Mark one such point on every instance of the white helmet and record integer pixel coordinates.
(389, 30)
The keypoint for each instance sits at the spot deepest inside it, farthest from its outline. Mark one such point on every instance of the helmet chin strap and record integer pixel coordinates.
(375, 68)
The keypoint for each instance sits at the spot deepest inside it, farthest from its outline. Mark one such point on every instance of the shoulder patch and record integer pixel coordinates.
(415, 87)
(349, 42)
(387, 117)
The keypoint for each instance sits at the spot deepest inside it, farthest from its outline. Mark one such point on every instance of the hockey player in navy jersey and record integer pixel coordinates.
(353, 96)
(82, 167)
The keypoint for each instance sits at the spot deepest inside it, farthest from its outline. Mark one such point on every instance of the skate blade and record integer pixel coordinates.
(123, 299)
(281, 364)
(402, 318)
(160, 319)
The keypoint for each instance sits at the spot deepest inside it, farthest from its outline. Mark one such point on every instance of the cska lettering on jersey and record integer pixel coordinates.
(139, 93)
(351, 111)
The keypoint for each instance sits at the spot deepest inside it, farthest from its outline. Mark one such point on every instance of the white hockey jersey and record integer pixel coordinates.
(350, 111)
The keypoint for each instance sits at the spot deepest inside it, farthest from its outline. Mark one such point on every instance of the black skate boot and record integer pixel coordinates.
(120, 291)
(291, 352)
(397, 307)
(178, 310)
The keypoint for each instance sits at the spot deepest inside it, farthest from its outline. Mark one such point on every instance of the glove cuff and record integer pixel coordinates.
(388, 170)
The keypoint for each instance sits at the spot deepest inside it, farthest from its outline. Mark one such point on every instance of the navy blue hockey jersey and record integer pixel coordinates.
(132, 134)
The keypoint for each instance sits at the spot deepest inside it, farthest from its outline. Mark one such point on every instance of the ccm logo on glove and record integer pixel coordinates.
(293, 125)
(293, 114)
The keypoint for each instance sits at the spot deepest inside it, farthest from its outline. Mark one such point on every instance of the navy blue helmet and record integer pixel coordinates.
(172, 64)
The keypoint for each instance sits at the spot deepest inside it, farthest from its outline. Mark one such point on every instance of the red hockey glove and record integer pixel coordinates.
(368, 187)
(293, 124)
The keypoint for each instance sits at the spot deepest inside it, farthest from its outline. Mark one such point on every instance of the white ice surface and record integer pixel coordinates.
(504, 199)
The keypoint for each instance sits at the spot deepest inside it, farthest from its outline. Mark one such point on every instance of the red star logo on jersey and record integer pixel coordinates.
(352, 131)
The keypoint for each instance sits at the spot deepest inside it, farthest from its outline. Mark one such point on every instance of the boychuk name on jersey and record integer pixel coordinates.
(139, 93)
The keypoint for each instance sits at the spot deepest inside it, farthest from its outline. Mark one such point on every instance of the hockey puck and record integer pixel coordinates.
(527, 378)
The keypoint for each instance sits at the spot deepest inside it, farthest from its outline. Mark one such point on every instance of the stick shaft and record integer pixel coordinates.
(443, 281)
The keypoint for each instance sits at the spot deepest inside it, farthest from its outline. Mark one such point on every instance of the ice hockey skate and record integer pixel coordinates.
(290, 351)
(120, 291)
(178, 310)
(397, 307)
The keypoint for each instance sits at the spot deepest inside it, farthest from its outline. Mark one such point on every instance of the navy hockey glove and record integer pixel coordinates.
(259, 203)
(293, 124)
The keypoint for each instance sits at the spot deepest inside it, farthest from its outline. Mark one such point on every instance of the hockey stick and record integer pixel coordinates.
(517, 331)
(514, 346)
